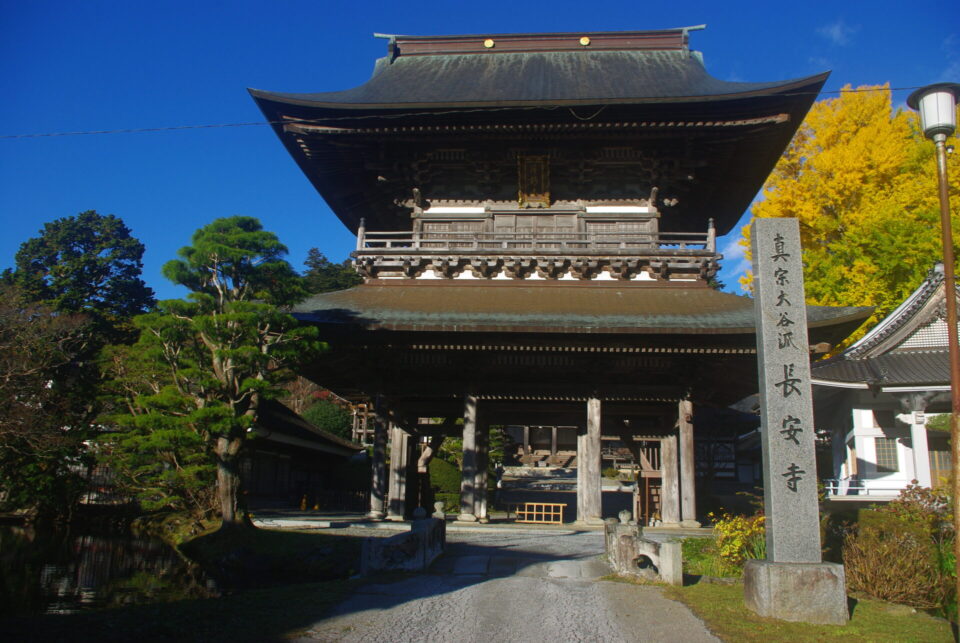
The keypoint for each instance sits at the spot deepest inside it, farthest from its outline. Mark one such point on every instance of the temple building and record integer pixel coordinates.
(536, 220)
(876, 397)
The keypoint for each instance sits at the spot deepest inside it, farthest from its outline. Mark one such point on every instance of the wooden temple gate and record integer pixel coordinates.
(536, 220)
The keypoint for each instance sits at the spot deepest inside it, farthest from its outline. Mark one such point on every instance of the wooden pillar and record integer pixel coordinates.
(480, 486)
(468, 485)
(526, 441)
(553, 441)
(378, 472)
(589, 490)
(688, 471)
(670, 489)
(399, 463)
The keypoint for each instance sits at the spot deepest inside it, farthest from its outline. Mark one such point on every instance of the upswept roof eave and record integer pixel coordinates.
(633, 310)
(873, 361)
(901, 319)
(275, 101)
(522, 79)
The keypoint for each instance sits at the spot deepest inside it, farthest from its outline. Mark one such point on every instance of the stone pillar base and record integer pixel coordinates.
(376, 515)
(803, 592)
(690, 524)
(467, 518)
(395, 518)
(590, 521)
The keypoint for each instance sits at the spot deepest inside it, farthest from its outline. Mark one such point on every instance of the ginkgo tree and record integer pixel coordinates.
(194, 381)
(861, 179)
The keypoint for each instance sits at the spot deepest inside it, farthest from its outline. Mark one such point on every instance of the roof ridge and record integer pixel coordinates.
(438, 45)
(898, 318)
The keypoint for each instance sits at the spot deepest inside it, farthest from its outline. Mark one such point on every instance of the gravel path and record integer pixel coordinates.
(526, 587)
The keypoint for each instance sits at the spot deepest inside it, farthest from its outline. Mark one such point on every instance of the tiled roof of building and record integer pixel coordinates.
(524, 78)
(276, 419)
(433, 94)
(907, 348)
(593, 307)
(892, 369)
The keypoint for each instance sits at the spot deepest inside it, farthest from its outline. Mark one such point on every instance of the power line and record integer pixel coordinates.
(175, 128)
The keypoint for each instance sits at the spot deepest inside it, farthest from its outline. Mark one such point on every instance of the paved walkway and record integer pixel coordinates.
(511, 586)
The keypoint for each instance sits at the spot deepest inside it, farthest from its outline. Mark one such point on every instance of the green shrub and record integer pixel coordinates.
(330, 417)
(611, 472)
(444, 477)
(903, 552)
(451, 501)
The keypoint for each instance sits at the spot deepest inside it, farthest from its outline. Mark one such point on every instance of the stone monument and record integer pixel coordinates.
(793, 583)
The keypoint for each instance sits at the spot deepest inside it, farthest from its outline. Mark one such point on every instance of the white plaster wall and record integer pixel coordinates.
(866, 429)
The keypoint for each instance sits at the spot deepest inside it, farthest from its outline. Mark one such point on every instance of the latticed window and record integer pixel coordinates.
(887, 461)
(939, 466)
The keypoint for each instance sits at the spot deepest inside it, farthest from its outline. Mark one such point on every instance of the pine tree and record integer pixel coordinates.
(216, 355)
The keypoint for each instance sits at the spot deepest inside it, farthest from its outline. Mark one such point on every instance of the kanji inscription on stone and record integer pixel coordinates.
(783, 361)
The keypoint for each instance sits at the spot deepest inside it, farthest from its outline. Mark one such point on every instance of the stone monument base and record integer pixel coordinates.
(804, 592)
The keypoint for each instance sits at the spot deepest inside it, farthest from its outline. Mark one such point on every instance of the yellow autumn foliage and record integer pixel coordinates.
(861, 179)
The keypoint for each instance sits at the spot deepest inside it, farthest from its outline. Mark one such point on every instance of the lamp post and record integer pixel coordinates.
(937, 105)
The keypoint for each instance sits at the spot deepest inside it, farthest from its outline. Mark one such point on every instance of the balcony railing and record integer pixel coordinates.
(572, 243)
(554, 255)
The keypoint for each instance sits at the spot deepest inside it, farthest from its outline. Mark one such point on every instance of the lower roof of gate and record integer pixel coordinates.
(556, 307)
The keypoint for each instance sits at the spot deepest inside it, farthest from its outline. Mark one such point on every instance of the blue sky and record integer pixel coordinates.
(99, 65)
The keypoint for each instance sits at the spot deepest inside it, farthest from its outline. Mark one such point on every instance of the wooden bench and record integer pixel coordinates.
(541, 513)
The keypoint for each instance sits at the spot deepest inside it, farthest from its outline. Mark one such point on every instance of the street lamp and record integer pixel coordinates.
(937, 105)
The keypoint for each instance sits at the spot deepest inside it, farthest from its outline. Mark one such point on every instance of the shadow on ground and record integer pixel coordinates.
(275, 613)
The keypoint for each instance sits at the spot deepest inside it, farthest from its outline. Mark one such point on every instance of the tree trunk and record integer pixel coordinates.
(232, 507)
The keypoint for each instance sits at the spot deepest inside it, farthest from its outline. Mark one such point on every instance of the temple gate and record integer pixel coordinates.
(536, 220)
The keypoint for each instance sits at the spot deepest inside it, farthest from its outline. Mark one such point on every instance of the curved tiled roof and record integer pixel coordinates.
(535, 78)
(647, 90)
(893, 369)
(556, 307)
(885, 356)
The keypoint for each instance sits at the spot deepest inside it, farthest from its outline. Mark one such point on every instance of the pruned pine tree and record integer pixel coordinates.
(224, 349)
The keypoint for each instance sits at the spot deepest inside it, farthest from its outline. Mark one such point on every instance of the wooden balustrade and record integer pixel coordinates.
(564, 242)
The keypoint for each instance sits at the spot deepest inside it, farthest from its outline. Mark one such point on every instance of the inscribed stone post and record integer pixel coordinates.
(789, 458)
(792, 583)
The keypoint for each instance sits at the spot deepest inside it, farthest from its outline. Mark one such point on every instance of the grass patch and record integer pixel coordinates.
(629, 580)
(700, 558)
(273, 614)
(257, 557)
(722, 609)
